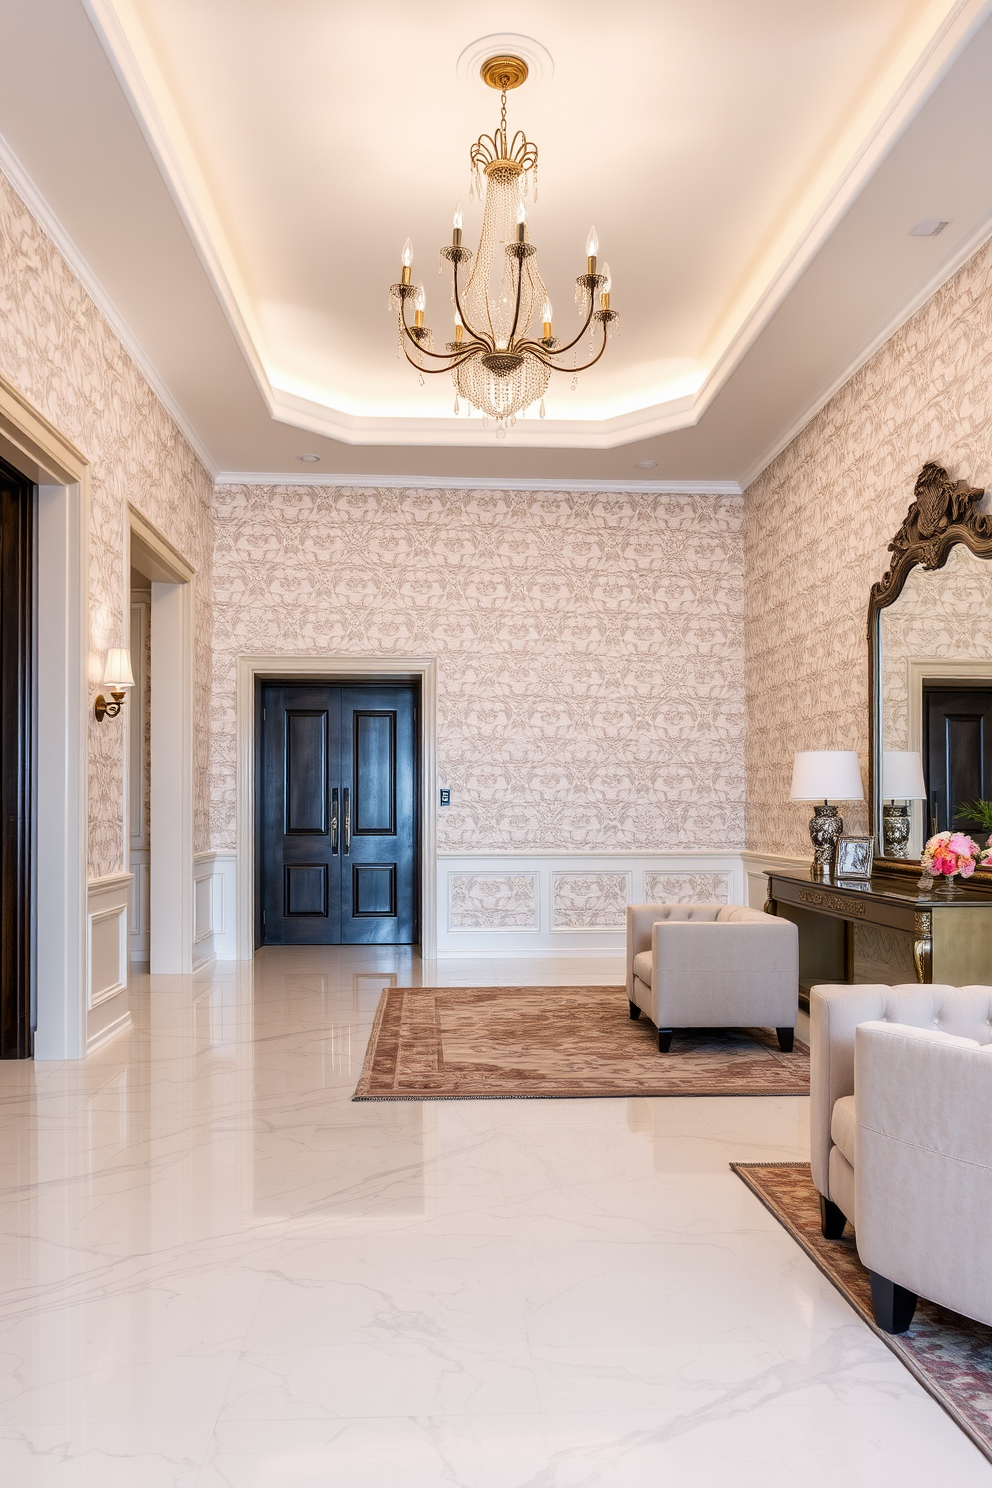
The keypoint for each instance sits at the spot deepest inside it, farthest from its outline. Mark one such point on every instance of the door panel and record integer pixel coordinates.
(957, 752)
(379, 893)
(338, 836)
(306, 771)
(375, 773)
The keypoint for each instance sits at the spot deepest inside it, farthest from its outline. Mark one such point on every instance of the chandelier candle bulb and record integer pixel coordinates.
(406, 260)
(456, 229)
(592, 248)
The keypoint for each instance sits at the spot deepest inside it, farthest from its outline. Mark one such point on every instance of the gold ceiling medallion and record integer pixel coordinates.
(504, 73)
(497, 362)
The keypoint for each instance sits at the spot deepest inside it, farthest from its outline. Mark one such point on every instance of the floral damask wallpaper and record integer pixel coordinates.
(818, 522)
(61, 354)
(590, 651)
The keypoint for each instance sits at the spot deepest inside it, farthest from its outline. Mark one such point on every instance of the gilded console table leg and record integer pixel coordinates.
(923, 946)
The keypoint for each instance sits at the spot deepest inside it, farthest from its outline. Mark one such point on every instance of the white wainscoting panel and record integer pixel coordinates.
(107, 916)
(214, 908)
(502, 904)
(757, 867)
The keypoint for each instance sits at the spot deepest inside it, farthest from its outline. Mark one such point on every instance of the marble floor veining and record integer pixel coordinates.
(218, 1272)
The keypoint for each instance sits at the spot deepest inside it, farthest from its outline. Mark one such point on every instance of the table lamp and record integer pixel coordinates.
(825, 775)
(902, 781)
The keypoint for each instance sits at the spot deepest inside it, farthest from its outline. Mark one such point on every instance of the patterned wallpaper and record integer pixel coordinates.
(61, 354)
(590, 649)
(818, 522)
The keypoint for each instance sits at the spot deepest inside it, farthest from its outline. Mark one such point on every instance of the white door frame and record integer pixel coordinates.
(171, 836)
(336, 669)
(36, 448)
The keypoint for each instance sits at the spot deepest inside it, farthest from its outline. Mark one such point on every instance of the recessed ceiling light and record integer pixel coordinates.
(309, 459)
(929, 227)
(646, 464)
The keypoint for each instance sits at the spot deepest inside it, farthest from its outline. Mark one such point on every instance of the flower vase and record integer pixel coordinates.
(945, 884)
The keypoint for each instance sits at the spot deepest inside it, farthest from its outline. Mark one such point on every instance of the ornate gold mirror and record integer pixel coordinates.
(930, 672)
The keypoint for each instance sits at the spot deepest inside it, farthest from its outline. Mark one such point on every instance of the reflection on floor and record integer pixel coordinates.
(220, 1273)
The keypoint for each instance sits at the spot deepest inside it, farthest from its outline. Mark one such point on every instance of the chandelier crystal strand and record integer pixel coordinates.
(498, 362)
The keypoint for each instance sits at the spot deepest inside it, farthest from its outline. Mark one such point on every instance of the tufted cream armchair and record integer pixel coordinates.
(901, 1139)
(712, 966)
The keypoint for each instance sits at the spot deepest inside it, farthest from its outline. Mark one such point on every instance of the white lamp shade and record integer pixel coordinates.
(902, 776)
(826, 775)
(117, 672)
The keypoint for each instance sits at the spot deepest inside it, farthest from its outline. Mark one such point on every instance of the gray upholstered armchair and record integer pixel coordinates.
(712, 966)
(901, 1139)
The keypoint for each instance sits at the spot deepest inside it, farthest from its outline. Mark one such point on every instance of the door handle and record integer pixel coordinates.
(347, 821)
(334, 822)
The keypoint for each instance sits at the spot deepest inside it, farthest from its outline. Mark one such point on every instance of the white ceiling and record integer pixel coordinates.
(235, 179)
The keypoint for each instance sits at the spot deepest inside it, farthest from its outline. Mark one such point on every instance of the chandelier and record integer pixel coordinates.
(496, 361)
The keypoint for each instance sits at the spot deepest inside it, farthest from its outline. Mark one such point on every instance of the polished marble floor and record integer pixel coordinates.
(218, 1272)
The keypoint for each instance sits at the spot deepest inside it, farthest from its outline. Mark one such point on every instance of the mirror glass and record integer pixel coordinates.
(934, 707)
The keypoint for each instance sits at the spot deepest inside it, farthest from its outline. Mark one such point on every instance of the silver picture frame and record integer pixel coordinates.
(854, 858)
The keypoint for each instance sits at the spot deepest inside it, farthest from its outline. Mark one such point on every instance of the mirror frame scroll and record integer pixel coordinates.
(942, 514)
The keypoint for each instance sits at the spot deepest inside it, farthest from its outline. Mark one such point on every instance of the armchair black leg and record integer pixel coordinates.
(892, 1305)
(786, 1039)
(832, 1221)
(635, 1011)
(665, 1040)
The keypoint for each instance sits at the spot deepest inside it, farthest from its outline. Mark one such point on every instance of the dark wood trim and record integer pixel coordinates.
(16, 759)
(941, 516)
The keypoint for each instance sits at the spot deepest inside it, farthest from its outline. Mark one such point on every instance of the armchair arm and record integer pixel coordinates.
(924, 1163)
(640, 919)
(834, 1014)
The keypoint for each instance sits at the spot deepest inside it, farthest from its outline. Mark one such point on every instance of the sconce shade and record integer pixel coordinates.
(117, 672)
(826, 775)
(902, 776)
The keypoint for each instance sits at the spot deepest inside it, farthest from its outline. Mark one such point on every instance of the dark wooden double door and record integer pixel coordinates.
(957, 752)
(338, 815)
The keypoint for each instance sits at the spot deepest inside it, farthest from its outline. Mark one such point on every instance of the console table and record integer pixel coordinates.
(885, 930)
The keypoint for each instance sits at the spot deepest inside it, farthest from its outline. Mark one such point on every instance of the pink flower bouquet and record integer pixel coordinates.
(949, 853)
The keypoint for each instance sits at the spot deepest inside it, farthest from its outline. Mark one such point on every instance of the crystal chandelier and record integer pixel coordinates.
(498, 296)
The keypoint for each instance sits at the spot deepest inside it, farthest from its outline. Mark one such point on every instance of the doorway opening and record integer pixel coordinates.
(18, 1009)
(338, 823)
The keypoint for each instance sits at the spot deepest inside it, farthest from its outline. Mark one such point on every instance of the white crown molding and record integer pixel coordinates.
(474, 483)
(50, 225)
(148, 95)
(967, 249)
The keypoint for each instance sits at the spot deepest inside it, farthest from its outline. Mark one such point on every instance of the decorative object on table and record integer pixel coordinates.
(824, 776)
(497, 360)
(978, 811)
(902, 782)
(854, 857)
(948, 854)
(542, 1043)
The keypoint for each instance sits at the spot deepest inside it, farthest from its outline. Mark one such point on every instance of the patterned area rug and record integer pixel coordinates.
(504, 1043)
(950, 1355)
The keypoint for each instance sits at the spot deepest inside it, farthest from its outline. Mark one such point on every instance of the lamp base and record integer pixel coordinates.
(895, 830)
(824, 829)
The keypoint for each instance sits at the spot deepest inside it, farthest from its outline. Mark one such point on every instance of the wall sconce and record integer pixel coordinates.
(117, 676)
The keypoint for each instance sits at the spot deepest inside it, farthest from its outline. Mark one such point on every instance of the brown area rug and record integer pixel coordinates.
(950, 1355)
(503, 1043)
